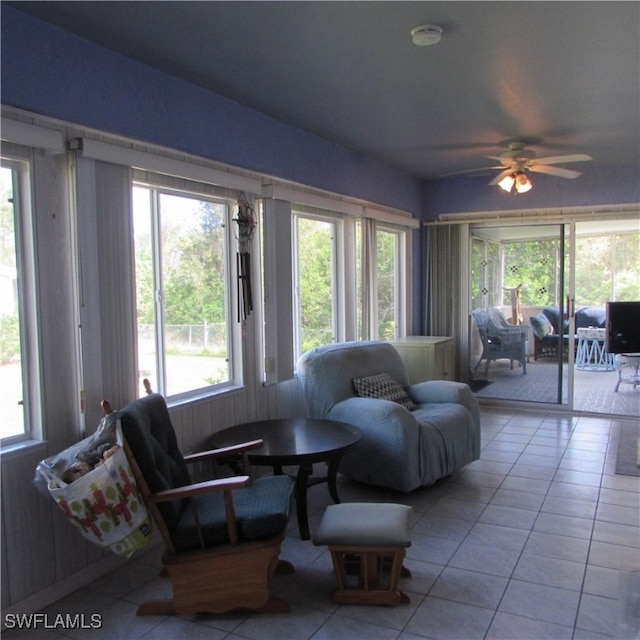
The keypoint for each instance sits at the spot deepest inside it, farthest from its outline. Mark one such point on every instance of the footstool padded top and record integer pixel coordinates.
(364, 524)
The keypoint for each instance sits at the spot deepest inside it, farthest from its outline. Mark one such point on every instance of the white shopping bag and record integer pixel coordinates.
(104, 504)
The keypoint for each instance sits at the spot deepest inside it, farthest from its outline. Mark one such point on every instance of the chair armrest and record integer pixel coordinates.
(440, 391)
(515, 334)
(199, 488)
(223, 451)
(376, 418)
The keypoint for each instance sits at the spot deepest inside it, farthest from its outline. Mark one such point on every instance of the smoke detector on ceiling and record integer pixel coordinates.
(426, 34)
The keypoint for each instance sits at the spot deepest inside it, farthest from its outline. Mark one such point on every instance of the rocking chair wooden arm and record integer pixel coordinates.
(224, 451)
(199, 488)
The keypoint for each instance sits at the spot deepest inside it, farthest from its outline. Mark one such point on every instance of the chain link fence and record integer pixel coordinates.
(187, 339)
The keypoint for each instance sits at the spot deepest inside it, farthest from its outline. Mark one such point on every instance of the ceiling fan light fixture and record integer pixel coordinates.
(426, 34)
(507, 182)
(523, 184)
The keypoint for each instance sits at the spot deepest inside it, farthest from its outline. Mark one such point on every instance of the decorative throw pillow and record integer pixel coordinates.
(383, 387)
(541, 325)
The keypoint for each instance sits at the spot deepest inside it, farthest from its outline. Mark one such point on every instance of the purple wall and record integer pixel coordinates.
(49, 71)
(52, 72)
(596, 186)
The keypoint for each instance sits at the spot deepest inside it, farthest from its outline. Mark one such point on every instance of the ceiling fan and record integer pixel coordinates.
(515, 162)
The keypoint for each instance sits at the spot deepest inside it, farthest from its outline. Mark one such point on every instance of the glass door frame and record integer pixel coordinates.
(563, 295)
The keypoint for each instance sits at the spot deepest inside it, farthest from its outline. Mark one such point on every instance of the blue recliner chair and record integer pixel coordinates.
(412, 435)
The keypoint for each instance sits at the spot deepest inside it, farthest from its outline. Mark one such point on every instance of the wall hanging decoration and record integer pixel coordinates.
(246, 222)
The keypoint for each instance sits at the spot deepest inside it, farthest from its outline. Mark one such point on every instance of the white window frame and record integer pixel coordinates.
(233, 350)
(344, 316)
(27, 301)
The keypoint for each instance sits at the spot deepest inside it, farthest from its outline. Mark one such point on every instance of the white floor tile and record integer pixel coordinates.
(530, 541)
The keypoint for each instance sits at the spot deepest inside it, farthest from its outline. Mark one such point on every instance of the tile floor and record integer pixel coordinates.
(531, 541)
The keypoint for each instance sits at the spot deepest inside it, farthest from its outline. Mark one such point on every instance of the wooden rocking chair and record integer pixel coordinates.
(222, 536)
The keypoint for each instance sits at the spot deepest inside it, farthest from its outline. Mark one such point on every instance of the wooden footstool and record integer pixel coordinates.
(372, 538)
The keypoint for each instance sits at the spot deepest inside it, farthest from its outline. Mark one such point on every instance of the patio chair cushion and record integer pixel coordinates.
(553, 314)
(541, 326)
(588, 317)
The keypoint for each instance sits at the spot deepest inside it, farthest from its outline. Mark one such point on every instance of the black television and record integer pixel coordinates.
(623, 327)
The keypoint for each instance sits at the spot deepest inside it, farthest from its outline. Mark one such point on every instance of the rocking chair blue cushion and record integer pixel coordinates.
(255, 514)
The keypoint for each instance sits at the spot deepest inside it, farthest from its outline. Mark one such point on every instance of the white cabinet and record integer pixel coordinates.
(426, 357)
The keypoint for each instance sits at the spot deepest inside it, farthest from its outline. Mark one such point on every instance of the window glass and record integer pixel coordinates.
(12, 360)
(388, 276)
(607, 268)
(315, 287)
(485, 274)
(534, 263)
(361, 328)
(181, 289)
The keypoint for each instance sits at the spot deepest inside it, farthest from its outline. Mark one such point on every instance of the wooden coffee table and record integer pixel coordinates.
(295, 441)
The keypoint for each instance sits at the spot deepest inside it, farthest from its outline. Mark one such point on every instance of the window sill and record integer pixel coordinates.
(23, 447)
(200, 398)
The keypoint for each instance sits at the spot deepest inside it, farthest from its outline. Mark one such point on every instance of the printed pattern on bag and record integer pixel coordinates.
(108, 507)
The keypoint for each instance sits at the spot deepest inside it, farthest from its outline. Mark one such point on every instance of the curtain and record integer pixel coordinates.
(107, 286)
(369, 317)
(447, 287)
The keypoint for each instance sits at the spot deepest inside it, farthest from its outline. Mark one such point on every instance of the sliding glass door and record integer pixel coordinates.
(520, 337)
(606, 269)
(548, 285)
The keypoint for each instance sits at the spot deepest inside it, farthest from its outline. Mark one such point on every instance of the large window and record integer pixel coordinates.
(14, 309)
(182, 275)
(350, 280)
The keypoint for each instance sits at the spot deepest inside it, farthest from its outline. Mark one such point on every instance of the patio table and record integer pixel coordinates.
(592, 353)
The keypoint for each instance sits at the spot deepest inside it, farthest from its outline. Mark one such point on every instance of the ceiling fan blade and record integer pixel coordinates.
(500, 176)
(576, 157)
(559, 172)
(468, 171)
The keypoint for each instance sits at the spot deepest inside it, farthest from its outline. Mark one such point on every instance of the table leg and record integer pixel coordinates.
(302, 484)
(332, 475)
(581, 353)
